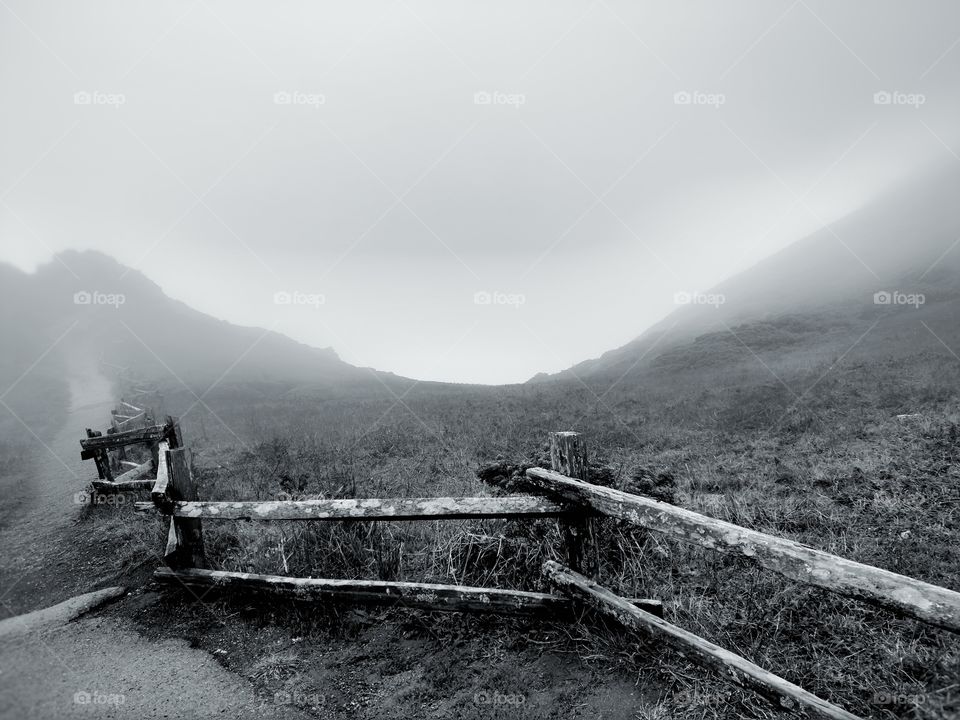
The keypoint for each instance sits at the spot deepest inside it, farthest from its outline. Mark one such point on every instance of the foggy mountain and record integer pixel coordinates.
(815, 296)
(820, 292)
(118, 316)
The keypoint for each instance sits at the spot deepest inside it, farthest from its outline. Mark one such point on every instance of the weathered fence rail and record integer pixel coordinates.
(442, 508)
(426, 596)
(728, 665)
(915, 598)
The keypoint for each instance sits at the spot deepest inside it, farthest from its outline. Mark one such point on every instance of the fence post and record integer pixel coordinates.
(568, 456)
(185, 541)
(115, 427)
(101, 458)
(173, 432)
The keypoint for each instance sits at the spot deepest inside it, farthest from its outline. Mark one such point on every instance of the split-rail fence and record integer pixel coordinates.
(562, 492)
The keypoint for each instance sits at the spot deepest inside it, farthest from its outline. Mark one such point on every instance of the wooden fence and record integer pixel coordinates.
(130, 425)
(563, 493)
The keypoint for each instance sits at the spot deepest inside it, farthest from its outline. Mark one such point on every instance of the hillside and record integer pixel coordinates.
(816, 297)
(125, 319)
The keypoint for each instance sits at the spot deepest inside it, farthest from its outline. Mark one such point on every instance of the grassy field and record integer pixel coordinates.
(836, 470)
(796, 437)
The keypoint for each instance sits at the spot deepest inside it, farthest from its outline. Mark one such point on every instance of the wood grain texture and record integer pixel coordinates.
(151, 434)
(568, 456)
(424, 596)
(441, 508)
(915, 598)
(159, 494)
(188, 550)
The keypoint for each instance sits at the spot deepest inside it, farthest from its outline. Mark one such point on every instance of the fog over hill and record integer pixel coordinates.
(904, 243)
(87, 303)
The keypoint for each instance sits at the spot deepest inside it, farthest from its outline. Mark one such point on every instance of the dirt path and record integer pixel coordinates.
(35, 533)
(95, 668)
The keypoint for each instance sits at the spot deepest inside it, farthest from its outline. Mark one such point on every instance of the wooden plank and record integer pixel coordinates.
(133, 479)
(442, 508)
(173, 432)
(121, 452)
(728, 666)
(105, 486)
(129, 463)
(100, 457)
(425, 596)
(159, 492)
(123, 424)
(915, 598)
(150, 434)
(568, 456)
(187, 550)
(133, 408)
(136, 473)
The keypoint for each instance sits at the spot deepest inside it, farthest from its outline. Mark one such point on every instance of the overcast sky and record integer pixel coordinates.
(578, 162)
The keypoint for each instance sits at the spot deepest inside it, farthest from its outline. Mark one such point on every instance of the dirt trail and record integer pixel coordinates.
(42, 505)
(93, 667)
(96, 668)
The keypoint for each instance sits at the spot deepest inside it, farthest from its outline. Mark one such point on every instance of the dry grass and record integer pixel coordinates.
(840, 473)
